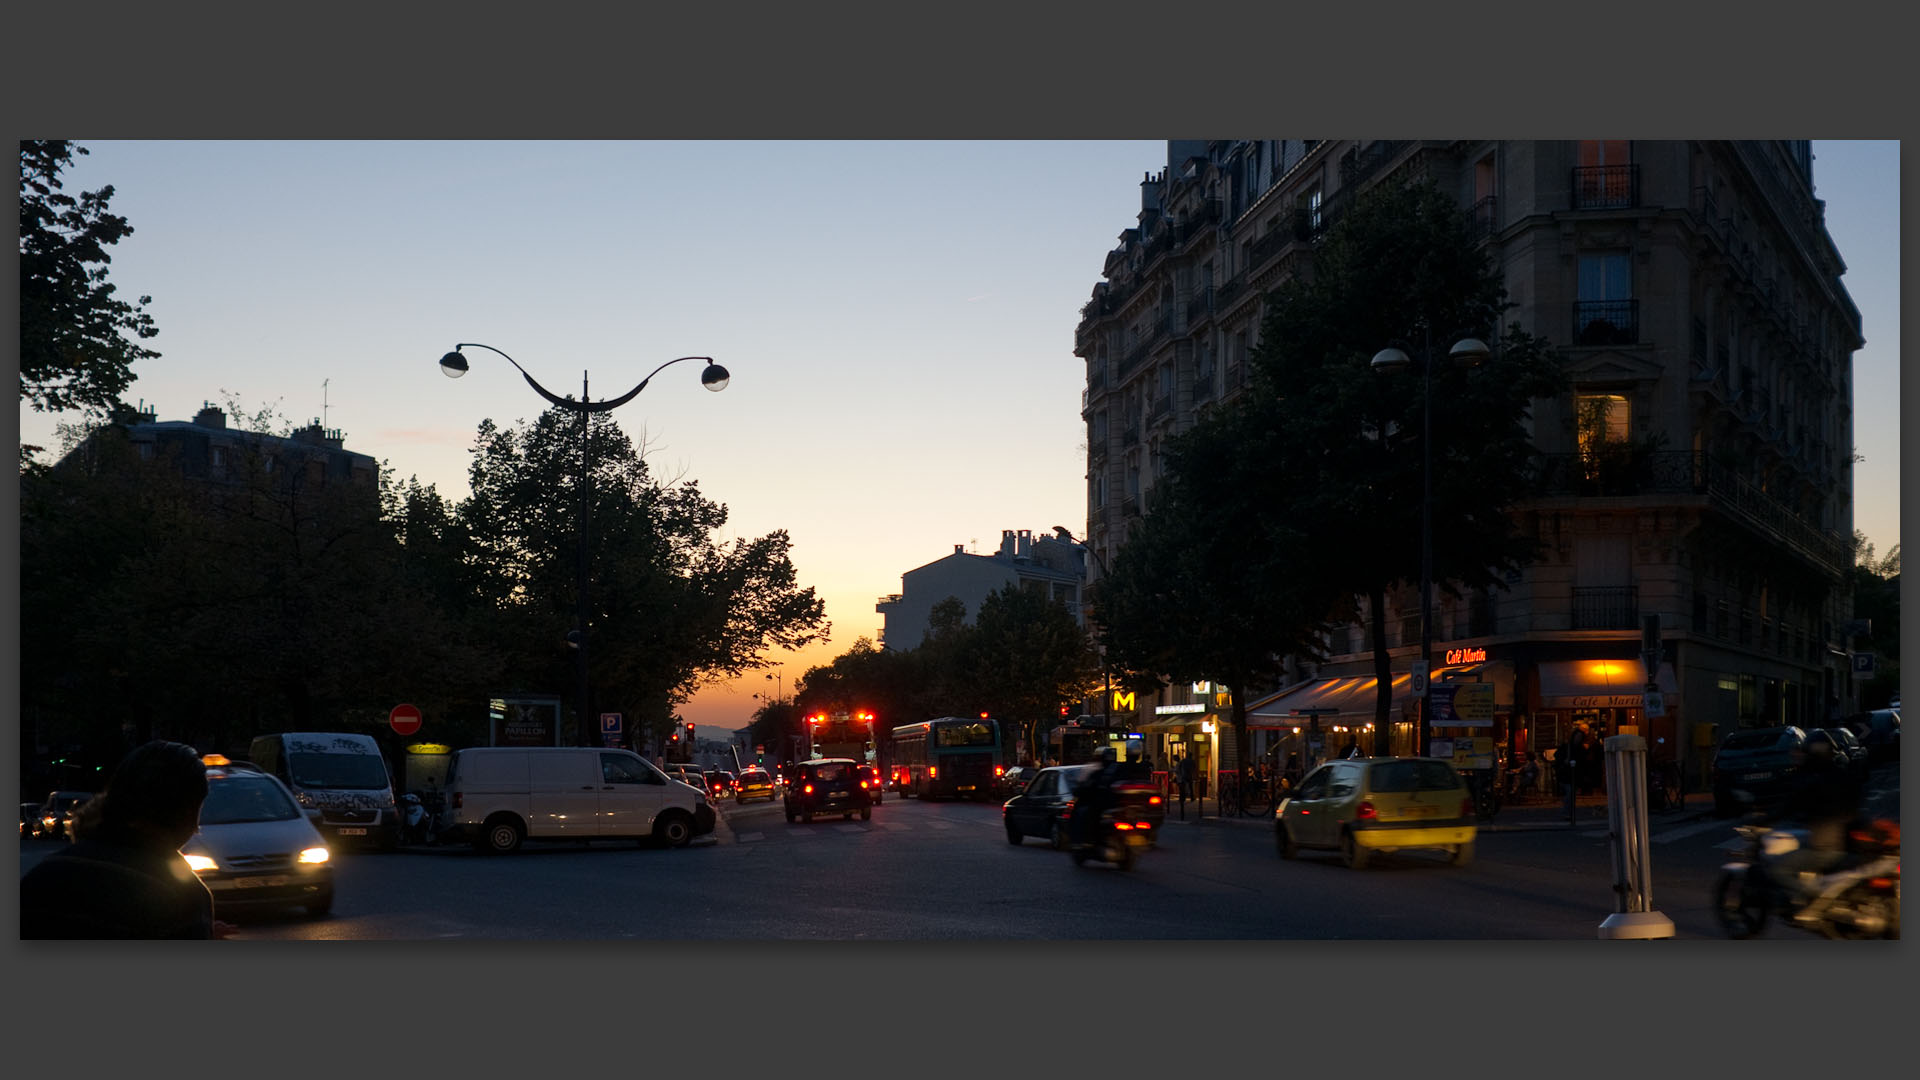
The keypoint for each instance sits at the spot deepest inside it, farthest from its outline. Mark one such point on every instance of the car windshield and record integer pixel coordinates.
(827, 774)
(753, 778)
(360, 771)
(1411, 775)
(246, 798)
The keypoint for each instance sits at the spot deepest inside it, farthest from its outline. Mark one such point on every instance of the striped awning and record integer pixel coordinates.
(1352, 697)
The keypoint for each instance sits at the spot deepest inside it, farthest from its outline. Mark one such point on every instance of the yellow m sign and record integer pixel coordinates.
(1123, 701)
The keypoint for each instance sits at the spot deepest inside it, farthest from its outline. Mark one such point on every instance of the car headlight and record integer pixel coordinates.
(314, 855)
(200, 864)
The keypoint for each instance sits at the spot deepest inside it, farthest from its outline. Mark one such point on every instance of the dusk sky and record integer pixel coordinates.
(897, 317)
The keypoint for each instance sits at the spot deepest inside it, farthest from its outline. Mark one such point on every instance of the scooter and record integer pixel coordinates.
(1123, 831)
(1859, 899)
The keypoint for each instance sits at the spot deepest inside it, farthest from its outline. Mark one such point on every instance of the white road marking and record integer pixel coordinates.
(1669, 835)
(1690, 830)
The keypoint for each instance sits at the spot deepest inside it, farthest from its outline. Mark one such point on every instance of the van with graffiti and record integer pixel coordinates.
(339, 779)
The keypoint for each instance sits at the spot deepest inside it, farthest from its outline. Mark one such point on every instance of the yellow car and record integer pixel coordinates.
(1363, 805)
(754, 784)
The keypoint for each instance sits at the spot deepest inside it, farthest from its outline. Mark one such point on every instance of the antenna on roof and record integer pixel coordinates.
(323, 401)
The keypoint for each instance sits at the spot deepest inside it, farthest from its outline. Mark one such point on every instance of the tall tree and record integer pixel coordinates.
(75, 352)
(1342, 444)
(1024, 655)
(673, 608)
(1216, 582)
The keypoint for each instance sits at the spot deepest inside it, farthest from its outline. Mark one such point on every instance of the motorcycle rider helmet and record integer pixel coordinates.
(1105, 755)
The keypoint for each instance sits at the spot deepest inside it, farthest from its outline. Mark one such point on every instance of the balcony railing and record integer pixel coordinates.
(1606, 322)
(1606, 607)
(1483, 218)
(1606, 187)
(1628, 471)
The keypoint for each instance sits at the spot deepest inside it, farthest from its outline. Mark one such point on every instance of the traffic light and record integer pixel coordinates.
(689, 732)
(674, 738)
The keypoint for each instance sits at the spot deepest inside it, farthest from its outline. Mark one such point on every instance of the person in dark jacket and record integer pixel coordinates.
(124, 876)
(1824, 800)
(1094, 794)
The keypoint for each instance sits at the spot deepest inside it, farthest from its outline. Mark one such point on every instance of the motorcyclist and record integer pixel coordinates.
(1094, 794)
(1826, 802)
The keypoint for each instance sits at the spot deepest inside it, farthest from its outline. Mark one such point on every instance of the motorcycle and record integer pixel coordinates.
(1123, 831)
(1858, 899)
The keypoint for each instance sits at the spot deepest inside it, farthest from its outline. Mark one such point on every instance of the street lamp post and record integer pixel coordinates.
(1106, 673)
(715, 378)
(1391, 361)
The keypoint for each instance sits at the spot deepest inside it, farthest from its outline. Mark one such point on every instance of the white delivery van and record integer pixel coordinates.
(339, 779)
(498, 796)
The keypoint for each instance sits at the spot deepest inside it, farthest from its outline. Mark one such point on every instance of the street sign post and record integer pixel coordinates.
(610, 728)
(404, 719)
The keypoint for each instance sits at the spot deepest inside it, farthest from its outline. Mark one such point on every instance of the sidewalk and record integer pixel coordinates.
(1533, 813)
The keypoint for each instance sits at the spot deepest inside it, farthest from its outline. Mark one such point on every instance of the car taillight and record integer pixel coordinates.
(807, 790)
(1122, 826)
(1880, 884)
(863, 785)
(1367, 812)
(1466, 806)
(1153, 800)
(932, 772)
(999, 770)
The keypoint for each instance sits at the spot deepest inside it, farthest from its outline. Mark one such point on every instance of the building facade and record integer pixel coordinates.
(1032, 561)
(1699, 470)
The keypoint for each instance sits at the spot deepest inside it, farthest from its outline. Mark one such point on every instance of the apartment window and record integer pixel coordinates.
(219, 457)
(1605, 313)
(1313, 209)
(1604, 176)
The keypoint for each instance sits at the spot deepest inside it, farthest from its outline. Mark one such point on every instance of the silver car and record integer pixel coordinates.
(255, 847)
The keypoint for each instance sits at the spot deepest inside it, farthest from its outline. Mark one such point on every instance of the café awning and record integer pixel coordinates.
(1598, 684)
(1353, 697)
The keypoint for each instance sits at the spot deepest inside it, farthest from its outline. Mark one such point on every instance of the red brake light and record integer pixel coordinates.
(863, 783)
(808, 790)
(932, 772)
(1153, 800)
(999, 770)
(1367, 811)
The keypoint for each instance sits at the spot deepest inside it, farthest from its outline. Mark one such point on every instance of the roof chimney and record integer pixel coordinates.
(210, 416)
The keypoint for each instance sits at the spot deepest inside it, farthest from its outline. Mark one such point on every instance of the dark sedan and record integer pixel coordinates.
(1759, 762)
(827, 786)
(1044, 808)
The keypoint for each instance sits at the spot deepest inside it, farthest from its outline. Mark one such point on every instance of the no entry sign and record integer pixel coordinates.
(405, 719)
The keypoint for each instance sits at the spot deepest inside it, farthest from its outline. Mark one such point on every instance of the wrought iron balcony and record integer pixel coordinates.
(1606, 322)
(1607, 607)
(1483, 218)
(1606, 187)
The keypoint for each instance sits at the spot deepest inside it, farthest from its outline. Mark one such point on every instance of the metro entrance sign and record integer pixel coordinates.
(404, 719)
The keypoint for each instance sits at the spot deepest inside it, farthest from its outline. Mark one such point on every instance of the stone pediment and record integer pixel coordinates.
(1611, 366)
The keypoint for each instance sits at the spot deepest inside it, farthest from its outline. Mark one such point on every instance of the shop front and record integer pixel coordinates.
(1608, 696)
(1323, 718)
(1181, 731)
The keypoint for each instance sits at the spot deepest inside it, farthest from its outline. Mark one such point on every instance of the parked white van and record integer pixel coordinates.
(498, 796)
(339, 779)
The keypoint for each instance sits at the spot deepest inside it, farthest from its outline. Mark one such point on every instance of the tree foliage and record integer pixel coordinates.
(672, 607)
(1214, 584)
(1343, 445)
(75, 349)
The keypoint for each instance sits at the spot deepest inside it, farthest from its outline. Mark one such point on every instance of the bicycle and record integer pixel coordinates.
(1229, 795)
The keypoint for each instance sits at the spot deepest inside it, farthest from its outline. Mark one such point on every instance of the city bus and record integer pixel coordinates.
(951, 757)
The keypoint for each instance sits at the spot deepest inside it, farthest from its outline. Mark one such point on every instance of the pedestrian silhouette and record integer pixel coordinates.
(124, 876)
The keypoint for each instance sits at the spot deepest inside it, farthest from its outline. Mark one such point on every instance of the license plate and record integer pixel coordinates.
(1420, 811)
(353, 832)
(267, 882)
(964, 787)
(1758, 776)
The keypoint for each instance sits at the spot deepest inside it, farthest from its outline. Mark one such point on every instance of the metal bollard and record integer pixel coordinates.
(1633, 915)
